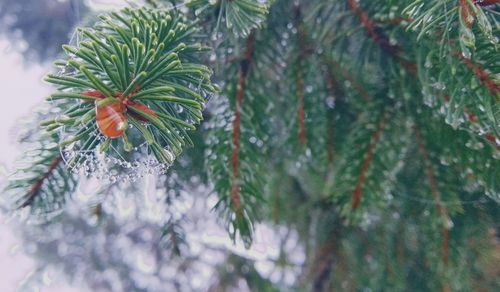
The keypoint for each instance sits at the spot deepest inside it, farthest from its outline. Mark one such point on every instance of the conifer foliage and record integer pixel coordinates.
(368, 128)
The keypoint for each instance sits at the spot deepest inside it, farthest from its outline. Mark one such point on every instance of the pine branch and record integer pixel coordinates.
(489, 136)
(368, 157)
(411, 67)
(35, 188)
(173, 237)
(234, 160)
(41, 181)
(336, 94)
(442, 210)
(240, 93)
(349, 77)
(299, 81)
(143, 67)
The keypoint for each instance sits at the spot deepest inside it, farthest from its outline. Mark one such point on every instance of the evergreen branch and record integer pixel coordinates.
(241, 16)
(488, 83)
(477, 69)
(442, 210)
(240, 93)
(43, 184)
(368, 157)
(362, 135)
(173, 237)
(299, 81)
(336, 94)
(35, 188)
(430, 175)
(345, 73)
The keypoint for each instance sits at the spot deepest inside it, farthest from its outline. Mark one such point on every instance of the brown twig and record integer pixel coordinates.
(442, 210)
(358, 190)
(299, 82)
(240, 94)
(37, 185)
(354, 82)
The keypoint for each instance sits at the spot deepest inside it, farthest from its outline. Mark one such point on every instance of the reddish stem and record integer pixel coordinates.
(240, 94)
(369, 25)
(35, 188)
(467, 13)
(444, 245)
(358, 190)
(481, 73)
(442, 210)
(300, 75)
(355, 84)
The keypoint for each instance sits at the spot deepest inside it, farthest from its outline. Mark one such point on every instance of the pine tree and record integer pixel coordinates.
(367, 130)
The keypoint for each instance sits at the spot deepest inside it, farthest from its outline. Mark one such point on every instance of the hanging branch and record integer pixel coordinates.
(335, 93)
(358, 190)
(299, 81)
(42, 183)
(355, 83)
(442, 210)
(240, 94)
(35, 188)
